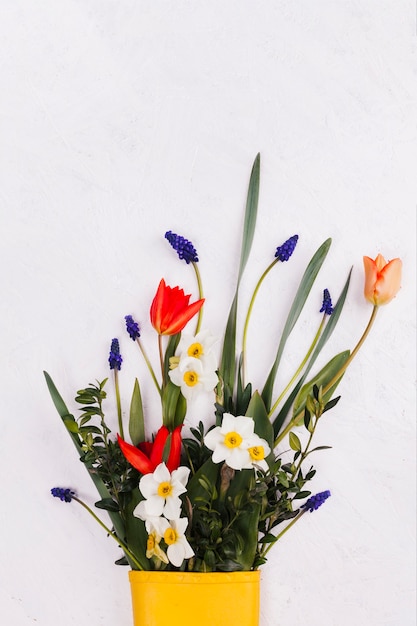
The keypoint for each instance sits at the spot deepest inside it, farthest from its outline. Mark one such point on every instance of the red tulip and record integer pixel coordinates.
(170, 310)
(382, 279)
(151, 455)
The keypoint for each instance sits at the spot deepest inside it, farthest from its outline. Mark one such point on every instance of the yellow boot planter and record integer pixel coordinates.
(188, 599)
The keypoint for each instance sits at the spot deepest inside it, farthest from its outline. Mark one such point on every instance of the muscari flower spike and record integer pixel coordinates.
(65, 495)
(183, 247)
(132, 327)
(115, 358)
(314, 502)
(284, 252)
(327, 306)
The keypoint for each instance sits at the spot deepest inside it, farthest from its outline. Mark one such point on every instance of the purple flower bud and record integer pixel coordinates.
(284, 252)
(314, 502)
(115, 358)
(327, 306)
(132, 327)
(63, 494)
(183, 247)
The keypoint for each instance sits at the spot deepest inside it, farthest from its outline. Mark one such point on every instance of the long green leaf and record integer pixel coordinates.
(303, 291)
(330, 326)
(325, 375)
(227, 368)
(100, 486)
(136, 417)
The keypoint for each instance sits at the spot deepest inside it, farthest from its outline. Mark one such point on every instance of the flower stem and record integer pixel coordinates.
(148, 363)
(278, 537)
(245, 328)
(301, 366)
(354, 352)
(110, 533)
(200, 295)
(296, 418)
(161, 359)
(118, 403)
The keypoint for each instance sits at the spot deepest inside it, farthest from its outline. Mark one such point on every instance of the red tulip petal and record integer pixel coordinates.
(174, 457)
(135, 457)
(158, 446)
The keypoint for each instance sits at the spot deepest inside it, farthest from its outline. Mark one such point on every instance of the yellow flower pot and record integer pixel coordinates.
(195, 599)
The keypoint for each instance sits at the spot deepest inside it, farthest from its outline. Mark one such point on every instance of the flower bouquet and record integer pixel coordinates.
(212, 499)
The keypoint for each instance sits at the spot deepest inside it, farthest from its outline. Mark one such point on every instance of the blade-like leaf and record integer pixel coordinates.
(100, 486)
(250, 215)
(325, 375)
(227, 368)
(330, 326)
(136, 417)
(303, 291)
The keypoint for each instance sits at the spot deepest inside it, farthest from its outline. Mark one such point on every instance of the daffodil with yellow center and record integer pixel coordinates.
(162, 491)
(236, 443)
(192, 377)
(153, 548)
(173, 534)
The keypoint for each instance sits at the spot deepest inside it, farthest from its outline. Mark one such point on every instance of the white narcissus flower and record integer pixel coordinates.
(191, 376)
(198, 347)
(194, 366)
(236, 443)
(161, 491)
(173, 534)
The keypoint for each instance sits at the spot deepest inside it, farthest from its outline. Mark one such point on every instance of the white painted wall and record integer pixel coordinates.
(120, 120)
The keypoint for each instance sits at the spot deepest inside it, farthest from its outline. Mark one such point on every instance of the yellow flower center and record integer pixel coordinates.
(195, 350)
(257, 453)
(150, 544)
(191, 378)
(232, 440)
(164, 489)
(170, 536)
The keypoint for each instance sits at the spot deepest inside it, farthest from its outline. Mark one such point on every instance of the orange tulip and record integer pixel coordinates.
(382, 279)
(170, 310)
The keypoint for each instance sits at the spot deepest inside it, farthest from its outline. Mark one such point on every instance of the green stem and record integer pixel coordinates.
(300, 367)
(353, 353)
(161, 359)
(303, 456)
(109, 532)
(245, 328)
(200, 295)
(278, 537)
(118, 402)
(148, 363)
(335, 378)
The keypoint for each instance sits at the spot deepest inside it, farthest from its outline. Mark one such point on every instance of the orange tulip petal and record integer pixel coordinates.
(382, 279)
(389, 282)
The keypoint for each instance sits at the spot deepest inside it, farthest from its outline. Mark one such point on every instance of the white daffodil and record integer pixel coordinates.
(236, 443)
(192, 376)
(173, 534)
(161, 491)
(198, 347)
(152, 544)
(258, 450)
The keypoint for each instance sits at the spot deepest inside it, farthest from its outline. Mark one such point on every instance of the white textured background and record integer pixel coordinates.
(120, 120)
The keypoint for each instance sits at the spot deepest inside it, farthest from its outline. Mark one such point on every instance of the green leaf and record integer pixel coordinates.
(329, 328)
(108, 504)
(100, 486)
(227, 368)
(295, 443)
(136, 417)
(263, 426)
(321, 379)
(174, 406)
(303, 291)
